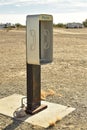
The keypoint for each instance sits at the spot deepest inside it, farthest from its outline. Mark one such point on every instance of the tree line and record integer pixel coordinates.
(61, 25)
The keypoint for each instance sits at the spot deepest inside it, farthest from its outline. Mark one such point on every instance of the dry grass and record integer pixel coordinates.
(66, 76)
(45, 94)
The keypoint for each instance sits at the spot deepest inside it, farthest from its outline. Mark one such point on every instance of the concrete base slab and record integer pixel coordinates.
(45, 118)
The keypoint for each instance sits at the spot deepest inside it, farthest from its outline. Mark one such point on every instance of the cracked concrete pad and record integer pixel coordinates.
(45, 118)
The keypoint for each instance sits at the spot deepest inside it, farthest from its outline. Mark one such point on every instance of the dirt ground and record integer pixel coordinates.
(66, 76)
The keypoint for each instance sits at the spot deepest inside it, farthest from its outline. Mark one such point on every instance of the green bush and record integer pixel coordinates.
(85, 23)
(60, 25)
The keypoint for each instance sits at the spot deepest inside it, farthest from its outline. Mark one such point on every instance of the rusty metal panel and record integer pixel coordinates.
(33, 86)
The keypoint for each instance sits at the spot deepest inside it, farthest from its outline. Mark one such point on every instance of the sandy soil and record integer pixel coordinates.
(66, 76)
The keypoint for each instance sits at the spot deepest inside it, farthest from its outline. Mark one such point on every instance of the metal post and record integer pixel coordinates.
(34, 89)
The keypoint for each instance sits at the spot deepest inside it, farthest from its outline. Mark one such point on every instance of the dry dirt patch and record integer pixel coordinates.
(66, 76)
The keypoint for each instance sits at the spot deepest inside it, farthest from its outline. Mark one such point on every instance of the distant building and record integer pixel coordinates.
(8, 25)
(2, 25)
(74, 25)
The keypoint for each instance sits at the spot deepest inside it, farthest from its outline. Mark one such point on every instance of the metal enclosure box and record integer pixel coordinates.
(39, 39)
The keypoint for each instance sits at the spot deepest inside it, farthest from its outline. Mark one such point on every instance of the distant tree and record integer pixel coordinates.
(18, 25)
(60, 25)
(85, 23)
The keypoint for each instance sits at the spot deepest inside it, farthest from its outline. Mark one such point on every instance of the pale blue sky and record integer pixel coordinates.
(62, 10)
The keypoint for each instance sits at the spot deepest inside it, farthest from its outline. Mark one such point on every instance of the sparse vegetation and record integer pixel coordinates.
(85, 23)
(45, 94)
(60, 25)
(18, 26)
(66, 77)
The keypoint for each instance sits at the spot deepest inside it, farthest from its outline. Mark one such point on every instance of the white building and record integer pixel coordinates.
(2, 25)
(74, 25)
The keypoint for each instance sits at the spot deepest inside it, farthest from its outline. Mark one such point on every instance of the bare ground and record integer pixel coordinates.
(67, 75)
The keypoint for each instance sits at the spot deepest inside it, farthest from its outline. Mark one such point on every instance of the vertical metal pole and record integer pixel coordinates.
(34, 89)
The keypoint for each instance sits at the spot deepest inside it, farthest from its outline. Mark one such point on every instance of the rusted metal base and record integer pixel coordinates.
(40, 108)
(34, 89)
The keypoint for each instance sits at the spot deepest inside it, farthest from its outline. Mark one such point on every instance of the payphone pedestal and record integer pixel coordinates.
(34, 89)
(39, 51)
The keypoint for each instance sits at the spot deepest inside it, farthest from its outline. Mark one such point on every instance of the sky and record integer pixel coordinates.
(63, 11)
